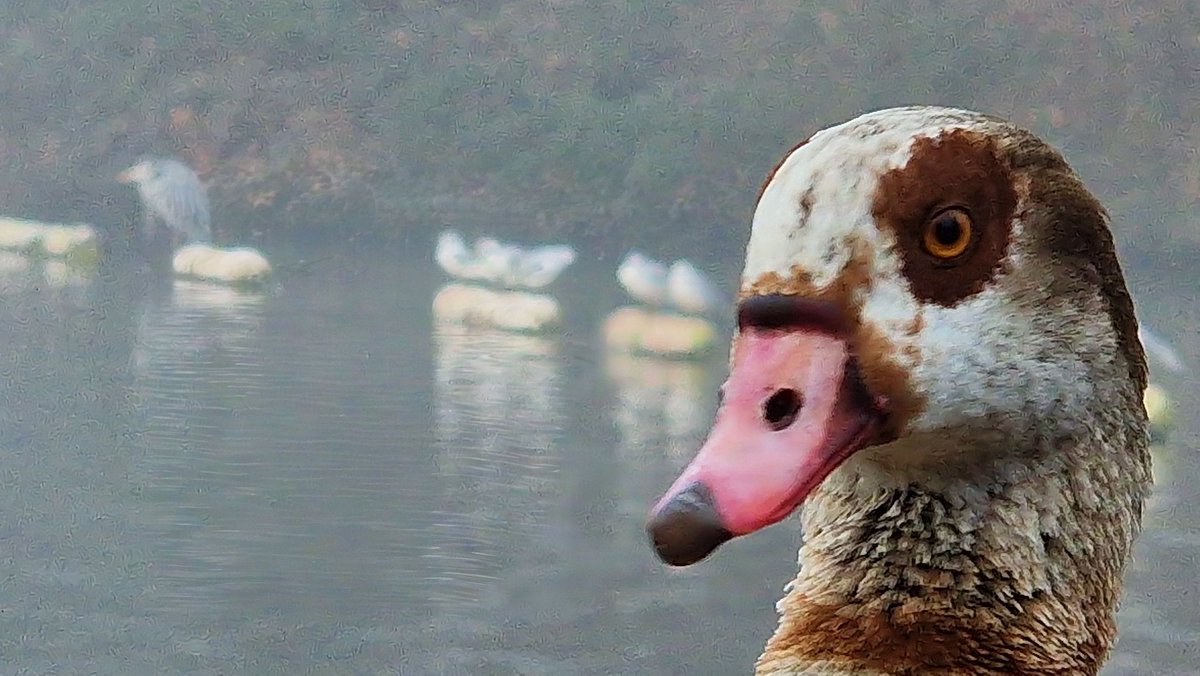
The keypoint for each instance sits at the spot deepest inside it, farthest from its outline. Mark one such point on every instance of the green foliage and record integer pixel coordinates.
(568, 118)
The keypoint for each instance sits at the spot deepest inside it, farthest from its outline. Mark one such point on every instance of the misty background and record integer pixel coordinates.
(588, 121)
(318, 477)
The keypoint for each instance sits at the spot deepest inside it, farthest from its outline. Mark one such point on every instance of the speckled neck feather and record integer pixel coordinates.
(1019, 575)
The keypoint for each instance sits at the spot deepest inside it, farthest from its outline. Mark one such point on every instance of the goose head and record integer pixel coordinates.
(142, 172)
(931, 305)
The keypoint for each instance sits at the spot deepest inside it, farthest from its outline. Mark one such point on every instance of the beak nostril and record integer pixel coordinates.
(780, 409)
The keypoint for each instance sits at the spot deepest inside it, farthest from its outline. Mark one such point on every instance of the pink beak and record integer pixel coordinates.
(794, 410)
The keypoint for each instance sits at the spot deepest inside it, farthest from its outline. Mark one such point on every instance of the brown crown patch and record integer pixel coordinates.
(958, 168)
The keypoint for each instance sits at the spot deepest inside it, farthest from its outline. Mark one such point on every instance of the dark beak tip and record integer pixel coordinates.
(687, 528)
(677, 557)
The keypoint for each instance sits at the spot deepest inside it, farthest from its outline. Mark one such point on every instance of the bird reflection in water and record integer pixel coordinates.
(662, 407)
(199, 330)
(16, 272)
(57, 279)
(497, 420)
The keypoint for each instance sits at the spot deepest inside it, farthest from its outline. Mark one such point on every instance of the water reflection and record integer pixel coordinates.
(57, 281)
(323, 479)
(661, 405)
(271, 431)
(14, 264)
(178, 333)
(17, 272)
(197, 331)
(661, 409)
(197, 365)
(497, 419)
(71, 549)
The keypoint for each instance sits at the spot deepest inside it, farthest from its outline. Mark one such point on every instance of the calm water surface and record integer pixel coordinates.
(320, 480)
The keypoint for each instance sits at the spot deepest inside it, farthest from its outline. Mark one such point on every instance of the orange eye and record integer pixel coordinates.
(948, 233)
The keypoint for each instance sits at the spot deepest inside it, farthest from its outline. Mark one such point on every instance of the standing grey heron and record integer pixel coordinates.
(172, 193)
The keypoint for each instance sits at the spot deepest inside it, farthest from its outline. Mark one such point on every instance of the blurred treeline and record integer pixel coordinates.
(572, 119)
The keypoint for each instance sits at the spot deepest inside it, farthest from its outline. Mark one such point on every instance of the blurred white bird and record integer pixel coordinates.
(643, 278)
(691, 291)
(496, 259)
(1158, 349)
(501, 263)
(453, 256)
(511, 266)
(538, 267)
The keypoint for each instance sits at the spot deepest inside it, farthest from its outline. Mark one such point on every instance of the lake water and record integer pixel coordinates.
(319, 480)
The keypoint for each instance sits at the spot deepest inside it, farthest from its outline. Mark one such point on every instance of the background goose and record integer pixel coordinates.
(501, 263)
(643, 278)
(454, 258)
(938, 356)
(692, 291)
(497, 259)
(680, 286)
(538, 267)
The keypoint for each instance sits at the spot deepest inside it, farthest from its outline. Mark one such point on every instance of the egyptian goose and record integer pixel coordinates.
(937, 355)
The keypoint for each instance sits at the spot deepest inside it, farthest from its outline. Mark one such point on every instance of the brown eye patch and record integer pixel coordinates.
(956, 172)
